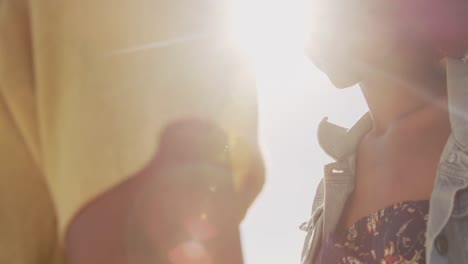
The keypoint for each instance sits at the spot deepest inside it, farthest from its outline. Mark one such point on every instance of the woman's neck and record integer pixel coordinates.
(391, 102)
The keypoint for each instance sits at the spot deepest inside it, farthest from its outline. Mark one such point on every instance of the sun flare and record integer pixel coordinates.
(271, 29)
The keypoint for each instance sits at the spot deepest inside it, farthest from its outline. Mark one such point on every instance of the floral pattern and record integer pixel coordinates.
(393, 235)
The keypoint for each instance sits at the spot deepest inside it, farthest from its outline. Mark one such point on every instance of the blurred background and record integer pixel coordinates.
(293, 97)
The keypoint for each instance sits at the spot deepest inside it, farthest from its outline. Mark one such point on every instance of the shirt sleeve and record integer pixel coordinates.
(109, 76)
(27, 216)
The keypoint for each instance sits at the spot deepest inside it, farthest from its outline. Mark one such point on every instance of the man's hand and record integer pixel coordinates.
(184, 207)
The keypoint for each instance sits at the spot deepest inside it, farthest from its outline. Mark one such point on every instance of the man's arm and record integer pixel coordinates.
(110, 77)
(183, 207)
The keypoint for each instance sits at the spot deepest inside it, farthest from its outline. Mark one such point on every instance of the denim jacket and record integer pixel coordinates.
(447, 228)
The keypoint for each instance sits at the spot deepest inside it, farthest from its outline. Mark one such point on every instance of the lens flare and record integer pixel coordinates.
(271, 28)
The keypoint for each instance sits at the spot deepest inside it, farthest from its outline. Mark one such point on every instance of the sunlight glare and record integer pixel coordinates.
(271, 29)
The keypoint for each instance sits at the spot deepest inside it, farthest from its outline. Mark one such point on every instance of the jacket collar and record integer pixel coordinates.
(339, 142)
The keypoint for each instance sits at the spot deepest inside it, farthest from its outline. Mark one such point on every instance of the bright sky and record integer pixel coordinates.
(294, 97)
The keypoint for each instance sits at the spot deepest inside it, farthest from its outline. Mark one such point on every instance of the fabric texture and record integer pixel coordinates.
(395, 234)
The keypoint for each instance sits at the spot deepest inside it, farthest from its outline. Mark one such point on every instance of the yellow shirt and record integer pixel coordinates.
(87, 86)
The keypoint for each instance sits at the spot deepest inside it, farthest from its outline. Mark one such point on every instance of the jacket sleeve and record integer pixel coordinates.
(319, 198)
(314, 226)
(457, 78)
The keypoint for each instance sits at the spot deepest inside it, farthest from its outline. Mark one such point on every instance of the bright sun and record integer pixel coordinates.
(271, 28)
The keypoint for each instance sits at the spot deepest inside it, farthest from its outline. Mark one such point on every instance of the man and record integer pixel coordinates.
(87, 91)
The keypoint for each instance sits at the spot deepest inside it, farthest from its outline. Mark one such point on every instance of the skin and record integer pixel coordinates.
(397, 159)
(402, 78)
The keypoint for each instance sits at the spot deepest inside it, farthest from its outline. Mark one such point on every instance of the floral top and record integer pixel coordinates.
(395, 234)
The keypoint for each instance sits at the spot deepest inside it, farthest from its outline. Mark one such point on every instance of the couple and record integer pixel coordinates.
(85, 181)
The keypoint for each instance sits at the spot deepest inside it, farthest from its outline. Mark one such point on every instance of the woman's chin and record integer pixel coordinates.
(340, 77)
(342, 81)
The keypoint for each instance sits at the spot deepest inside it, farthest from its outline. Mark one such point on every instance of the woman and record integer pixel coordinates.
(397, 192)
